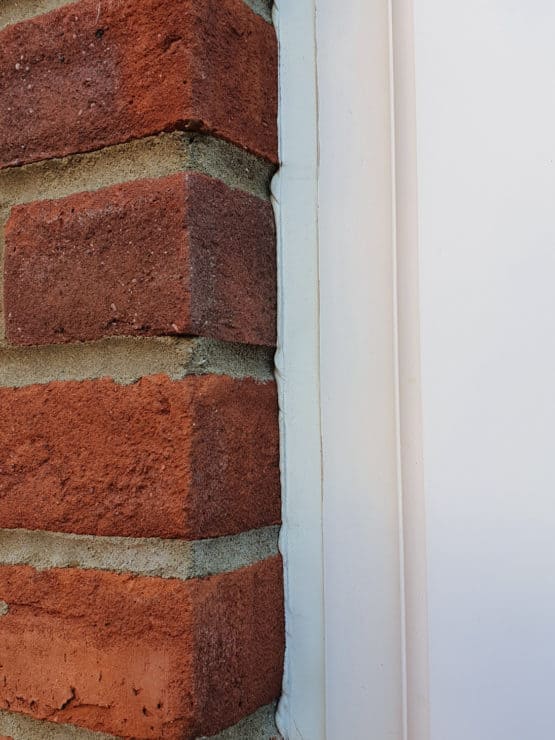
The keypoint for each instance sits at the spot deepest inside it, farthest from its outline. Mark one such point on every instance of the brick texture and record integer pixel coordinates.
(184, 254)
(97, 73)
(187, 457)
(193, 458)
(141, 657)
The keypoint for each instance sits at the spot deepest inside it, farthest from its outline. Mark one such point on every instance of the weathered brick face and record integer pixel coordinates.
(183, 254)
(193, 458)
(138, 412)
(92, 74)
(141, 657)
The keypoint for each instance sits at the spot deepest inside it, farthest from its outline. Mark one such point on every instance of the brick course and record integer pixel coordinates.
(95, 73)
(137, 657)
(183, 254)
(141, 591)
(193, 458)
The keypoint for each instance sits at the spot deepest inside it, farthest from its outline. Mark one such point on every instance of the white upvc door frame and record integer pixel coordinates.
(337, 364)
(416, 368)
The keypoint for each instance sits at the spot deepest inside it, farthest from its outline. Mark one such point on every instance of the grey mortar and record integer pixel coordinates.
(153, 156)
(230, 358)
(20, 727)
(128, 359)
(13, 11)
(258, 726)
(262, 7)
(141, 556)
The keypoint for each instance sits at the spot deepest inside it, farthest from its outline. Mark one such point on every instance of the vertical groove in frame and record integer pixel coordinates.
(396, 351)
(410, 431)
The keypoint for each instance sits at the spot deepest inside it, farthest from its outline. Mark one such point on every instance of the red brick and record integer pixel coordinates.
(182, 254)
(96, 73)
(141, 657)
(192, 458)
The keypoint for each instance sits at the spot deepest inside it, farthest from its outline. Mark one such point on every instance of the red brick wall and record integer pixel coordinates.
(140, 583)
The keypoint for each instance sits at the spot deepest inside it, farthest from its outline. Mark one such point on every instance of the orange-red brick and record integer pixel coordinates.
(192, 458)
(142, 658)
(94, 73)
(183, 254)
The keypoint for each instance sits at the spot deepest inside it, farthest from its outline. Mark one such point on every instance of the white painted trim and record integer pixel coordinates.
(337, 373)
(362, 579)
(301, 710)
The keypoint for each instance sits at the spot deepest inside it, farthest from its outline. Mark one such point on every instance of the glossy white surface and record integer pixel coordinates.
(363, 608)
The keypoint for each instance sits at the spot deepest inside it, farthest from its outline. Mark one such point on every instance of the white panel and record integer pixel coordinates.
(358, 379)
(485, 109)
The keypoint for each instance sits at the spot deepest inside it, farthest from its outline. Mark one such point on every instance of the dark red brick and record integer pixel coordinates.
(192, 458)
(93, 73)
(142, 658)
(182, 254)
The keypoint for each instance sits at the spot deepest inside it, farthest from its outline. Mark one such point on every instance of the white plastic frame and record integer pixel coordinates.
(337, 373)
